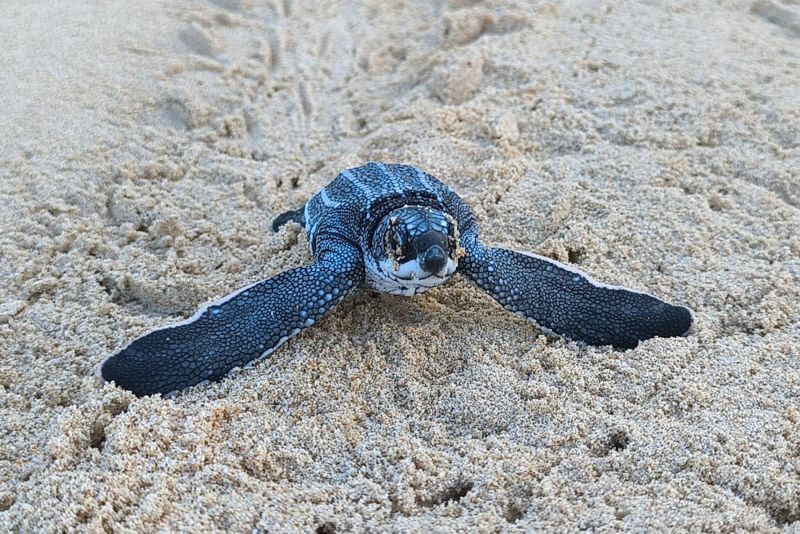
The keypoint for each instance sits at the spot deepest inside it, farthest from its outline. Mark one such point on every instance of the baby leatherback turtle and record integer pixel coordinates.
(394, 229)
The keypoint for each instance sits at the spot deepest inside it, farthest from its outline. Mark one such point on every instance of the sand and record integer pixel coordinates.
(145, 149)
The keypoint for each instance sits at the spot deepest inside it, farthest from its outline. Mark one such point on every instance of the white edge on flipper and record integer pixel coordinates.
(252, 362)
(305, 221)
(308, 323)
(597, 283)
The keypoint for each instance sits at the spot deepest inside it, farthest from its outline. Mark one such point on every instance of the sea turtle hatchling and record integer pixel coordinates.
(395, 229)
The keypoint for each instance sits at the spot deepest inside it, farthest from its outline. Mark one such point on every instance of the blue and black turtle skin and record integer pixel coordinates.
(396, 229)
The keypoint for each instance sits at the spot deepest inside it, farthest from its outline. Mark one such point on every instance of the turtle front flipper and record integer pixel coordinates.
(240, 328)
(564, 301)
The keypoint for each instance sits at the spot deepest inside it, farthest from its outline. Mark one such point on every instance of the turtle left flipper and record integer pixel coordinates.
(240, 328)
(566, 302)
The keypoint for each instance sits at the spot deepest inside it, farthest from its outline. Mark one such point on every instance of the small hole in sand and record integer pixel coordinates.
(618, 440)
(783, 513)
(326, 528)
(457, 493)
(98, 437)
(7, 500)
(574, 256)
(108, 284)
(513, 513)
(454, 494)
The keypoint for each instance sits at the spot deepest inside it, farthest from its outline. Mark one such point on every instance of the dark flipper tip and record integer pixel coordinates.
(114, 369)
(664, 320)
(686, 321)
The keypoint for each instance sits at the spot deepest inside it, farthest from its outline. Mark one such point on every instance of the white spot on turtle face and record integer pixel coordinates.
(406, 271)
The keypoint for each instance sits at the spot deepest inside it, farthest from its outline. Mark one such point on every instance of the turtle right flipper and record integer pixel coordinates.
(242, 327)
(564, 301)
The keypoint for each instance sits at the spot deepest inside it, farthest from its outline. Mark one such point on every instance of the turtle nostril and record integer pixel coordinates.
(434, 259)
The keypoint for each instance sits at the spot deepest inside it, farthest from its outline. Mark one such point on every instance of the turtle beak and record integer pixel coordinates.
(433, 261)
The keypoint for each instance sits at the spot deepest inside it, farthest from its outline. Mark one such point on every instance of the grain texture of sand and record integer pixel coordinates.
(146, 147)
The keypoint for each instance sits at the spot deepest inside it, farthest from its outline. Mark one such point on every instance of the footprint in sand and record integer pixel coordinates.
(201, 41)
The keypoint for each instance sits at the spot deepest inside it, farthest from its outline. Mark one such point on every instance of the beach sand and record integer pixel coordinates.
(146, 147)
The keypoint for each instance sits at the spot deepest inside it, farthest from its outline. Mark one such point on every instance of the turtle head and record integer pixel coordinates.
(414, 243)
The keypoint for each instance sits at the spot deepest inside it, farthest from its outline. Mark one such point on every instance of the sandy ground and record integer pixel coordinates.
(145, 149)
